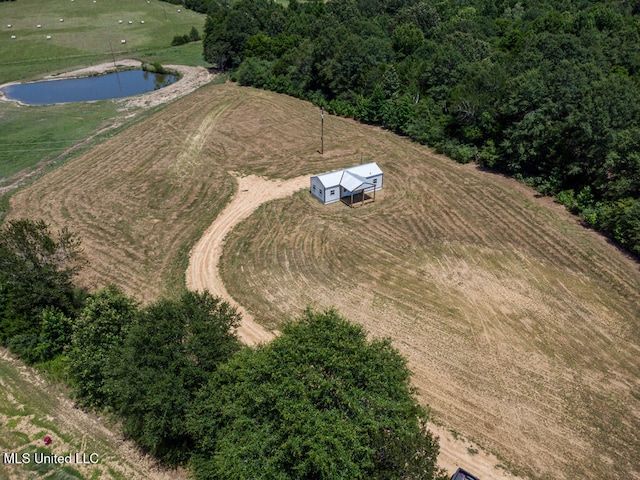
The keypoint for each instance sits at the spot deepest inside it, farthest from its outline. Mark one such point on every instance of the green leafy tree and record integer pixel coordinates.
(179, 40)
(254, 72)
(318, 402)
(407, 38)
(37, 269)
(99, 330)
(194, 35)
(229, 26)
(169, 352)
(55, 335)
(217, 48)
(621, 169)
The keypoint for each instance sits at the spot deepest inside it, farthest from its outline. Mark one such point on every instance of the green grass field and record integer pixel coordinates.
(40, 134)
(90, 34)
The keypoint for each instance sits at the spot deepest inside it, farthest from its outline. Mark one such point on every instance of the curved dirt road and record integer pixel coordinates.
(202, 272)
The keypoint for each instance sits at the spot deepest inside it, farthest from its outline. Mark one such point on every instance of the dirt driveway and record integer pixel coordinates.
(202, 273)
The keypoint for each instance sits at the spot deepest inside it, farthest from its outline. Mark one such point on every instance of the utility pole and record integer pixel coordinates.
(321, 130)
(113, 55)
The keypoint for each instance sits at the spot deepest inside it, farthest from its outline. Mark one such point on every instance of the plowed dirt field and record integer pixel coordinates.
(521, 327)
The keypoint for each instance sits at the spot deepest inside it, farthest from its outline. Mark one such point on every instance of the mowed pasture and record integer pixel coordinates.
(521, 327)
(89, 33)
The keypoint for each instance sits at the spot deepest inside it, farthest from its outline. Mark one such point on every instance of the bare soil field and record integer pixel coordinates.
(521, 327)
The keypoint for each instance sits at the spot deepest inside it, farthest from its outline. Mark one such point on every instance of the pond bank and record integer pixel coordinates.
(191, 79)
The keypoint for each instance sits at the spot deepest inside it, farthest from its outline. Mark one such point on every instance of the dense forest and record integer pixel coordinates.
(320, 401)
(544, 91)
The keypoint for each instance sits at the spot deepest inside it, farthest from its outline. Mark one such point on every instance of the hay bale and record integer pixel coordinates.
(48, 37)
(123, 41)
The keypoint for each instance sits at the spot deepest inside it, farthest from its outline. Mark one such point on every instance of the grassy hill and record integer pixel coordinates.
(90, 34)
(521, 327)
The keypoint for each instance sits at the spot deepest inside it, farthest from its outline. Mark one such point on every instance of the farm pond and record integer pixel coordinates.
(101, 87)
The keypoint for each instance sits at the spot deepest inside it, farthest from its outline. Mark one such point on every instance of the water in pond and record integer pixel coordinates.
(102, 87)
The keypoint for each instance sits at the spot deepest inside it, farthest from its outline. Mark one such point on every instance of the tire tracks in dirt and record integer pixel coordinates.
(203, 271)
(187, 160)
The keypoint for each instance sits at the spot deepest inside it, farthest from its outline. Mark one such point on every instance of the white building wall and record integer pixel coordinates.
(378, 181)
(325, 195)
(315, 189)
(332, 194)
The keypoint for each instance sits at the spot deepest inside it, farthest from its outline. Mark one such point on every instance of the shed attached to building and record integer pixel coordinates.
(355, 186)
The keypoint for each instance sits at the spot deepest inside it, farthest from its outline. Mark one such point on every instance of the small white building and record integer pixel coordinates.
(354, 186)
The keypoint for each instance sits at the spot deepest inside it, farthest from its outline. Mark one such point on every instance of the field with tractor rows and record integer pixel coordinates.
(521, 327)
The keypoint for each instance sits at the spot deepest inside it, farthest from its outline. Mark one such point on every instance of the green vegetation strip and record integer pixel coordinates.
(38, 135)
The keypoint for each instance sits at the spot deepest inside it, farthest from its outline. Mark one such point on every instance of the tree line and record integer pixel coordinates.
(319, 402)
(544, 91)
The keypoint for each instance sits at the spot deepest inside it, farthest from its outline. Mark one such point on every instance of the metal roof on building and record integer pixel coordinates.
(367, 170)
(353, 183)
(332, 179)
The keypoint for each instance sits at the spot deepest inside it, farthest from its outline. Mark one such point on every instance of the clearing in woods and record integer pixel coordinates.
(521, 327)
